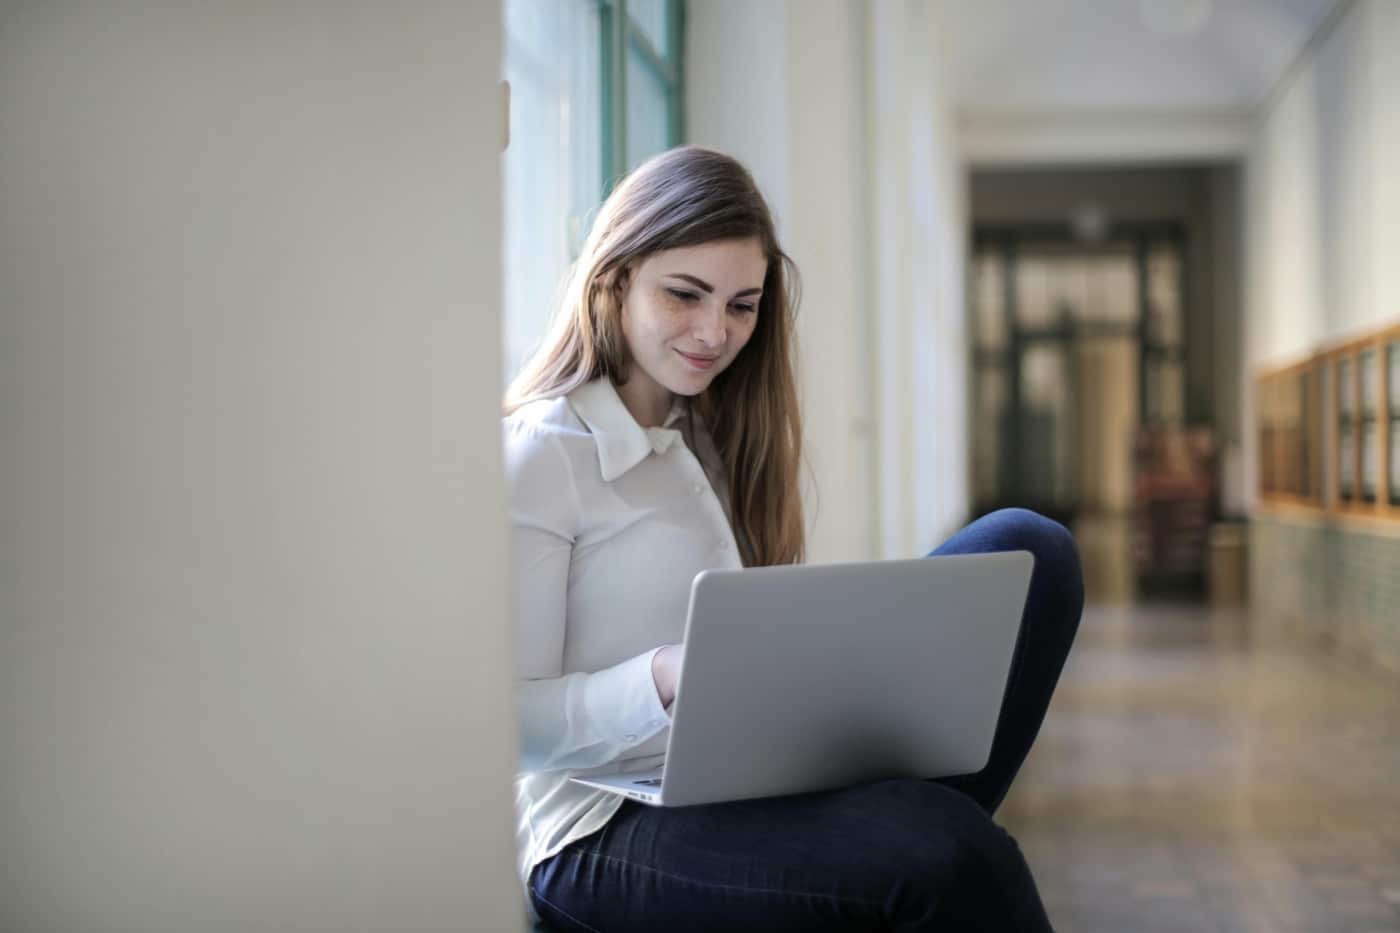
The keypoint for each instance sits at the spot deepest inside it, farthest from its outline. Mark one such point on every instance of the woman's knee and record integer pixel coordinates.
(1024, 530)
(952, 855)
(949, 838)
(1056, 553)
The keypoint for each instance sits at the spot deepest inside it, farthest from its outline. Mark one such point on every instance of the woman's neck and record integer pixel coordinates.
(648, 401)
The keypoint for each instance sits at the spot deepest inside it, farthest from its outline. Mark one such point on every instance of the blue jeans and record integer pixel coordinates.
(907, 855)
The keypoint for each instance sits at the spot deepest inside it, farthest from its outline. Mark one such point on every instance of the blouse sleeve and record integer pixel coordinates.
(581, 719)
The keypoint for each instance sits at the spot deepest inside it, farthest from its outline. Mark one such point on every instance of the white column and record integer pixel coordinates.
(916, 291)
(255, 666)
(851, 138)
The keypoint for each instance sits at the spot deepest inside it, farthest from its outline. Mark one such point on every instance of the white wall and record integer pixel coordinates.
(1323, 201)
(840, 110)
(917, 242)
(828, 234)
(737, 92)
(253, 644)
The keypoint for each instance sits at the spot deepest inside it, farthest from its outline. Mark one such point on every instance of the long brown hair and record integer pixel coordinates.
(687, 197)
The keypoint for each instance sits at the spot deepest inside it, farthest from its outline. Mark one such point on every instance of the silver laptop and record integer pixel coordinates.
(815, 677)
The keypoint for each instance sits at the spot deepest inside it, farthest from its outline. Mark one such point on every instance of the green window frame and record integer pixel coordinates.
(574, 67)
(629, 30)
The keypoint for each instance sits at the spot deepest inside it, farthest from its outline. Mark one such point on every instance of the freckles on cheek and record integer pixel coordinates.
(747, 336)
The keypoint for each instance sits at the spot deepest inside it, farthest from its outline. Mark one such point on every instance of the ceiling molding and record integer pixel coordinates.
(1324, 29)
(1070, 137)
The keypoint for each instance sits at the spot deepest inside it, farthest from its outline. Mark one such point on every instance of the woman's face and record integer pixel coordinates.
(686, 314)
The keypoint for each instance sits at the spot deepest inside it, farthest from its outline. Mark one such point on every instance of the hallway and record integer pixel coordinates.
(1192, 776)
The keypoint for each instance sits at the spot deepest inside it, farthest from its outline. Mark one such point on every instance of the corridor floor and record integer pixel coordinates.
(1194, 776)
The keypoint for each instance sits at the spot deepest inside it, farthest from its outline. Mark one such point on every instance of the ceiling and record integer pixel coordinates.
(1038, 56)
(1129, 81)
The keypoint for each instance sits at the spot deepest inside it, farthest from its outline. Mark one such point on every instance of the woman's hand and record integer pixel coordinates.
(666, 671)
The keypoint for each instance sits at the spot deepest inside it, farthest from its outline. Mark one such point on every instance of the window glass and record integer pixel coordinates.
(652, 18)
(552, 167)
(1393, 352)
(1035, 299)
(1166, 391)
(989, 290)
(563, 115)
(648, 131)
(1268, 480)
(1346, 461)
(1346, 430)
(1370, 460)
(1346, 389)
(1069, 283)
(1301, 440)
(1164, 313)
(991, 422)
(1112, 288)
(1045, 427)
(1393, 429)
(1370, 383)
(1369, 374)
(1395, 461)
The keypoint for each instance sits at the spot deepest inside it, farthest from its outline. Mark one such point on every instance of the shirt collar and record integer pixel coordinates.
(622, 442)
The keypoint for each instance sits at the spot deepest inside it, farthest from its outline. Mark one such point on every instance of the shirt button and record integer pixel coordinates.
(696, 489)
(654, 722)
(631, 738)
(724, 545)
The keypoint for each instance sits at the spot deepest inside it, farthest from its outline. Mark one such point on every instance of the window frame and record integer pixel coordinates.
(1010, 244)
(1274, 479)
(1327, 367)
(621, 36)
(1351, 352)
(592, 43)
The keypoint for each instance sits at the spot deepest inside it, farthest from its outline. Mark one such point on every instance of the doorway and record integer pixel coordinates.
(1077, 344)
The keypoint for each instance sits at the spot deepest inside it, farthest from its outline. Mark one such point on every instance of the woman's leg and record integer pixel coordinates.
(904, 855)
(1048, 625)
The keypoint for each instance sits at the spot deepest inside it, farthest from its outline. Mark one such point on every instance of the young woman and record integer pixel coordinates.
(654, 435)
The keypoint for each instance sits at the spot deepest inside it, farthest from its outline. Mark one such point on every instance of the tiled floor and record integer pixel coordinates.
(1193, 775)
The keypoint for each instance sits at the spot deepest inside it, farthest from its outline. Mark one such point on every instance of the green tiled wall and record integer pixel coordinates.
(1341, 581)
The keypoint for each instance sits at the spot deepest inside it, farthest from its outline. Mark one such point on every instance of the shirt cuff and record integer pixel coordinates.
(622, 702)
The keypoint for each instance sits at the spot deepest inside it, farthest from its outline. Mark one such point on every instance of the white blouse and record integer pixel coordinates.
(610, 523)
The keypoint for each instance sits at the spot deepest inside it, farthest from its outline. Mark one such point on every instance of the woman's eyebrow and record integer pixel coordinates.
(707, 288)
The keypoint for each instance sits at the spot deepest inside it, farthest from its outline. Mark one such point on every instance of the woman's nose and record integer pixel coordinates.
(708, 326)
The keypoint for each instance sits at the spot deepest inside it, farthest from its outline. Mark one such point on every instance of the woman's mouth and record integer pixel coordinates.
(699, 362)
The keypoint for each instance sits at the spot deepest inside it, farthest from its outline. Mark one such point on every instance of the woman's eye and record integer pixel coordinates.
(744, 308)
(683, 295)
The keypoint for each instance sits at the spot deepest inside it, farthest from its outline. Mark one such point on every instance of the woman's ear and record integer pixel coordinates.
(621, 281)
